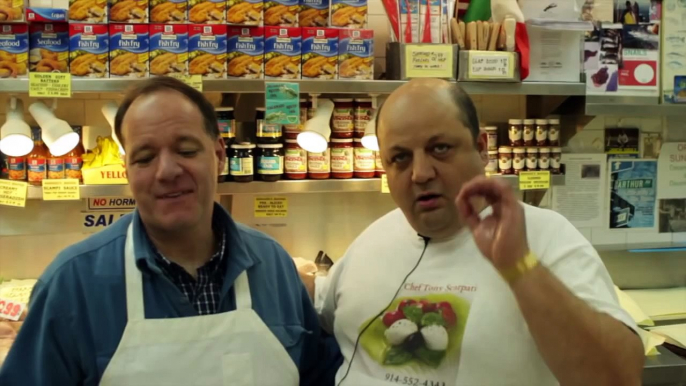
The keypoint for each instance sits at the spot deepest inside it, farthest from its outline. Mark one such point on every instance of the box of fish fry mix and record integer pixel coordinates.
(14, 50)
(89, 51)
(283, 13)
(129, 50)
(320, 53)
(244, 12)
(282, 52)
(314, 13)
(245, 52)
(348, 14)
(356, 54)
(207, 11)
(88, 11)
(169, 11)
(207, 51)
(12, 11)
(169, 49)
(129, 11)
(48, 47)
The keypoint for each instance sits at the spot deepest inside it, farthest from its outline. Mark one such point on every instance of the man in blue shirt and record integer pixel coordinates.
(176, 293)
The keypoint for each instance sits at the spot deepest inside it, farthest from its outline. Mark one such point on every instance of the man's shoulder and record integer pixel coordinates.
(262, 246)
(545, 220)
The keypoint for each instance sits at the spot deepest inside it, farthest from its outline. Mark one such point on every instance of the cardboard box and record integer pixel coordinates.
(12, 10)
(169, 11)
(356, 54)
(245, 53)
(14, 50)
(244, 12)
(88, 11)
(49, 47)
(129, 11)
(207, 51)
(314, 13)
(46, 15)
(89, 51)
(348, 14)
(129, 50)
(208, 12)
(320, 53)
(282, 13)
(169, 49)
(282, 50)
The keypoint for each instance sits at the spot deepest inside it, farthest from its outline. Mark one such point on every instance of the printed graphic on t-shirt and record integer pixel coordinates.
(418, 339)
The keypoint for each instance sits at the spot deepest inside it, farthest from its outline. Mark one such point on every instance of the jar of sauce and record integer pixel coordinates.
(541, 132)
(55, 167)
(292, 131)
(270, 162)
(492, 138)
(505, 160)
(362, 115)
(16, 168)
(555, 160)
(267, 133)
(342, 158)
(531, 158)
(295, 161)
(242, 162)
(544, 158)
(378, 165)
(73, 161)
(492, 165)
(529, 132)
(343, 119)
(514, 132)
(364, 165)
(554, 132)
(319, 165)
(37, 159)
(518, 159)
(226, 124)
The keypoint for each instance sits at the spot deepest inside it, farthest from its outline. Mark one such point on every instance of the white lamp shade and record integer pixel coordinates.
(369, 140)
(315, 134)
(109, 110)
(56, 133)
(15, 134)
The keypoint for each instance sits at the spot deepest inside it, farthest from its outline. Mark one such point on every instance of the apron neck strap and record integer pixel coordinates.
(134, 280)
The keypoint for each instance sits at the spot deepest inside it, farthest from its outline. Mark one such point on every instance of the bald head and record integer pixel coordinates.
(430, 96)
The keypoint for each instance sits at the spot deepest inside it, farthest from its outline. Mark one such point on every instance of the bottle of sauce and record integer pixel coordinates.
(55, 167)
(365, 161)
(270, 162)
(37, 159)
(241, 162)
(295, 161)
(554, 132)
(514, 132)
(267, 133)
(16, 168)
(518, 159)
(73, 161)
(541, 132)
(555, 160)
(529, 132)
(319, 165)
(363, 113)
(342, 158)
(492, 137)
(505, 160)
(492, 166)
(544, 158)
(531, 158)
(343, 120)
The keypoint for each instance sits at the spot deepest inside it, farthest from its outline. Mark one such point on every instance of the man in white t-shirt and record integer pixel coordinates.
(463, 284)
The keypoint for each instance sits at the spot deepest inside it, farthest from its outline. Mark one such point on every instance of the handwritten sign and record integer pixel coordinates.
(49, 85)
(429, 61)
(271, 207)
(384, 184)
(13, 193)
(61, 190)
(10, 309)
(282, 103)
(534, 180)
(491, 65)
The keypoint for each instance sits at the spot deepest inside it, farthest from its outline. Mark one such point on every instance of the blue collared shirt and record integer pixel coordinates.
(77, 312)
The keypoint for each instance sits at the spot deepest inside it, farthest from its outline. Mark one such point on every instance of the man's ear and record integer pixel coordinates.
(482, 146)
(220, 152)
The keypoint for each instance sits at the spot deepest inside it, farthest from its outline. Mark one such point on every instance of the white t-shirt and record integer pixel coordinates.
(488, 340)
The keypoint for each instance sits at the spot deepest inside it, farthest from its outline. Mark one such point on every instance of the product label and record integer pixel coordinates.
(364, 160)
(319, 162)
(544, 162)
(89, 50)
(207, 50)
(314, 13)
(17, 168)
(320, 53)
(518, 161)
(14, 49)
(515, 133)
(169, 11)
(37, 169)
(242, 166)
(528, 134)
(129, 50)
(553, 134)
(73, 167)
(227, 128)
(492, 141)
(342, 120)
(270, 165)
(505, 163)
(87, 12)
(492, 166)
(541, 134)
(244, 12)
(341, 160)
(129, 11)
(532, 162)
(49, 45)
(245, 52)
(56, 168)
(283, 13)
(296, 161)
(356, 54)
(349, 13)
(169, 49)
(362, 117)
(265, 130)
(282, 52)
(555, 161)
(207, 12)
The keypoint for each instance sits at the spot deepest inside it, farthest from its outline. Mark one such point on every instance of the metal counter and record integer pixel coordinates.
(665, 369)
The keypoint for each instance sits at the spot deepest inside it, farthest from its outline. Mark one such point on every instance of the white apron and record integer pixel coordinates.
(230, 348)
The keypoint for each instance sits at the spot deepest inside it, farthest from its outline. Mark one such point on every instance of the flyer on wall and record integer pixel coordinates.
(633, 193)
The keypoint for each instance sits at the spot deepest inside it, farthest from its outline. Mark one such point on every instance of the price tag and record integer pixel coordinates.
(49, 85)
(271, 207)
(384, 184)
(491, 65)
(282, 103)
(194, 81)
(10, 309)
(61, 190)
(13, 193)
(429, 61)
(534, 180)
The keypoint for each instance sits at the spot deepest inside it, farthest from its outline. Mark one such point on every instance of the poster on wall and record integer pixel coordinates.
(672, 171)
(672, 215)
(633, 192)
(581, 199)
(622, 141)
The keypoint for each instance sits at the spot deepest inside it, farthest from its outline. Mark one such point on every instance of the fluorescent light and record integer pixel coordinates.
(15, 134)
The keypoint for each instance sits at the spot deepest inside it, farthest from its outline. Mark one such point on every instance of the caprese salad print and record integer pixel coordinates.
(419, 334)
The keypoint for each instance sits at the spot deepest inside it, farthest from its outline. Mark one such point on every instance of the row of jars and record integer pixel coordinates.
(527, 133)
(512, 160)
(345, 158)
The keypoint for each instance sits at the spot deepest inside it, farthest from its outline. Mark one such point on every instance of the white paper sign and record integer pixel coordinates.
(490, 65)
(671, 169)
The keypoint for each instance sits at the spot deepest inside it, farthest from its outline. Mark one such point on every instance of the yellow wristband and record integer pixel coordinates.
(524, 265)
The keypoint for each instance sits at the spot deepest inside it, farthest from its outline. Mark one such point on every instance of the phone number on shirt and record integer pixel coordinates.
(402, 380)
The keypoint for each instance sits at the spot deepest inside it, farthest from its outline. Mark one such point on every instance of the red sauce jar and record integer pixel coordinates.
(342, 120)
(292, 131)
(378, 165)
(295, 161)
(319, 165)
(342, 158)
(362, 115)
(364, 164)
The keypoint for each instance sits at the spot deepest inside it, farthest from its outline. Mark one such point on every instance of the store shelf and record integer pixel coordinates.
(631, 106)
(315, 87)
(280, 187)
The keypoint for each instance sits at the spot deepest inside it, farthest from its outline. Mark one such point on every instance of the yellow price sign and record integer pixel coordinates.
(384, 184)
(491, 65)
(429, 61)
(49, 85)
(194, 81)
(13, 193)
(61, 190)
(271, 207)
(534, 180)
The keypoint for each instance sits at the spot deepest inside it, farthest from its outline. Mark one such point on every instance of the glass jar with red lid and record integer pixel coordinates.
(364, 163)
(378, 165)
(362, 115)
(342, 120)
(319, 165)
(295, 161)
(342, 158)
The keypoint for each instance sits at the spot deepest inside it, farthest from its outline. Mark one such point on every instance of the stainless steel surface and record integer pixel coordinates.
(280, 187)
(315, 87)
(664, 369)
(631, 106)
